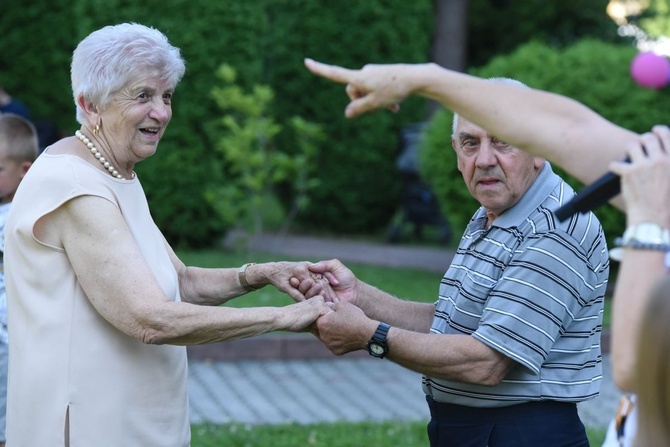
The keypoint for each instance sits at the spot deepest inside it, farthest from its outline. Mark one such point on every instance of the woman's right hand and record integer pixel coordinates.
(299, 317)
(645, 181)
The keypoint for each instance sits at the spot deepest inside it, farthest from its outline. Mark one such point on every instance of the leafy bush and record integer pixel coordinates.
(359, 185)
(593, 72)
(266, 40)
(251, 159)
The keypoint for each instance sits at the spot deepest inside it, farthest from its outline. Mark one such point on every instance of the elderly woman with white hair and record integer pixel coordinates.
(100, 307)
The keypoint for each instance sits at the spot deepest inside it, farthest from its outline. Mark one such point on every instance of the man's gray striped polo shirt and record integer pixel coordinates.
(532, 288)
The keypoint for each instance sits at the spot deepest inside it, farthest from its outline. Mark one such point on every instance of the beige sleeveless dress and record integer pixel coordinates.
(66, 362)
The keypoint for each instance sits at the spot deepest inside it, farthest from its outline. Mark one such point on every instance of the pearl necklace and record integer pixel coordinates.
(94, 150)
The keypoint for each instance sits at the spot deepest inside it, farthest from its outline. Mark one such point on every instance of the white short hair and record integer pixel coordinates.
(116, 55)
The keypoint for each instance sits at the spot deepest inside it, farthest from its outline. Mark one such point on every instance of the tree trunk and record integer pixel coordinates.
(450, 37)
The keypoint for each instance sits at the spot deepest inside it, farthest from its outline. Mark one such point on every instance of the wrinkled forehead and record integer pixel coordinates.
(148, 81)
(468, 128)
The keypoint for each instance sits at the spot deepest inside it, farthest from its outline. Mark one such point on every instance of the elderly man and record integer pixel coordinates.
(513, 341)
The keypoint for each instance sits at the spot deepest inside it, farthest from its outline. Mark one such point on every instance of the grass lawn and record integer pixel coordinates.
(368, 434)
(415, 285)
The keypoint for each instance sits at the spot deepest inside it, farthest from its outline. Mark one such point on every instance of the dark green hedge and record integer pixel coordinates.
(266, 41)
(593, 72)
(500, 26)
(37, 41)
(360, 187)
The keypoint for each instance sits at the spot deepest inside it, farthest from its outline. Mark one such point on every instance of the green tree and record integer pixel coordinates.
(253, 162)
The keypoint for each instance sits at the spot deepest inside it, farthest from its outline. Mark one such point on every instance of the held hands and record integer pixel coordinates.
(371, 88)
(299, 317)
(345, 328)
(282, 274)
(330, 279)
(645, 181)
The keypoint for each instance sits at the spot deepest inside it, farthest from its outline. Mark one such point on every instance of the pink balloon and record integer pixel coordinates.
(650, 70)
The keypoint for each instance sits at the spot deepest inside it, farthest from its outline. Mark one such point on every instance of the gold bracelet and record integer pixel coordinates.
(242, 275)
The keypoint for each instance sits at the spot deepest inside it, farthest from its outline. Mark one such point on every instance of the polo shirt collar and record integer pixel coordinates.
(538, 192)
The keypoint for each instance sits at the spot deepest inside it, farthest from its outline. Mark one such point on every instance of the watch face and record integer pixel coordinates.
(377, 345)
(647, 233)
(376, 349)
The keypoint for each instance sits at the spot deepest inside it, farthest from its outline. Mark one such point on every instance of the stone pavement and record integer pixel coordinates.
(304, 391)
(317, 390)
(293, 378)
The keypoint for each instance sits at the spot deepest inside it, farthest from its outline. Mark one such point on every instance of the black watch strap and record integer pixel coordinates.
(377, 346)
(381, 332)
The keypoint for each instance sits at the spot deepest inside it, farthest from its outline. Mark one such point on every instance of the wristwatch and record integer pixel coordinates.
(242, 275)
(377, 346)
(643, 236)
(645, 233)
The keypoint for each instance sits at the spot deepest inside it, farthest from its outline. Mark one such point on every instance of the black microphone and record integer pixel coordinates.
(592, 196)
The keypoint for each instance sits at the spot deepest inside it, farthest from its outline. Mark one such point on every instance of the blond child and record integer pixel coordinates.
(18, 151)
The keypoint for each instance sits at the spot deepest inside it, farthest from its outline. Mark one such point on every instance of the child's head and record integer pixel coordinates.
(18, 150)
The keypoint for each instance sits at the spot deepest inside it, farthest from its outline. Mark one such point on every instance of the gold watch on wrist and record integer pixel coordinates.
(242, 275)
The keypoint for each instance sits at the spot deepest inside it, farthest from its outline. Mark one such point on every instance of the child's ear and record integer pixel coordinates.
(24, 167)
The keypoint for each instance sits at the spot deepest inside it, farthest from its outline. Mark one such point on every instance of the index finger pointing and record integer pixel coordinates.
(332, 72)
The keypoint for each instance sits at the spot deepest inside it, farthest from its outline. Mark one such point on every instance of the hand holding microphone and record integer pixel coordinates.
(651, 148)
(592, 196)
(645, 182)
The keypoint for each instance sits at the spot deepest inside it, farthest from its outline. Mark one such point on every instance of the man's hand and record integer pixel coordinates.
(345, 328)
